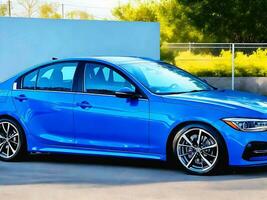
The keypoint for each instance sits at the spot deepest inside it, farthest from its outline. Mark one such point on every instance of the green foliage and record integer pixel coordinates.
(208, 65)
(229, 20)
(167, 54)
(49, 10)
(137, 11)
(3, 10)
(174, 23)
(201, 21)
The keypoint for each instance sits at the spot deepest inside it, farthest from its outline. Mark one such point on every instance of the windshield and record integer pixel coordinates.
(162, 78)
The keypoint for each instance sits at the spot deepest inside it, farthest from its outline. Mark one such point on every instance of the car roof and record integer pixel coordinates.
(117, 60)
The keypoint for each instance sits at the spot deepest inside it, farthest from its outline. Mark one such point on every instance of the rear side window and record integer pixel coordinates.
(29, 81)
(57, 77)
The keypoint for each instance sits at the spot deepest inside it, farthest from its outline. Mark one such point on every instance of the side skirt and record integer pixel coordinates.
(65, 150)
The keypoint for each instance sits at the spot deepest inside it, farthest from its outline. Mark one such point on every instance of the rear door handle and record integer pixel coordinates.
(84, 105)
(21, 98)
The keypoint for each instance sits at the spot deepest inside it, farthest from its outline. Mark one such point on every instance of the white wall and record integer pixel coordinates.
(25, 42)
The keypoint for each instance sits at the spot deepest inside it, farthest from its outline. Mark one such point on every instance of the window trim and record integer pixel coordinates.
(83, 79)
(79, 79)
(19, 81)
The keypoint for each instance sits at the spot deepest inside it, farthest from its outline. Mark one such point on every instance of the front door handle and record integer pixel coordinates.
(21, 98)
(84, 105)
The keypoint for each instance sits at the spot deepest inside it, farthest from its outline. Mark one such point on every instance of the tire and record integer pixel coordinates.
(12, 141)
(204, 155)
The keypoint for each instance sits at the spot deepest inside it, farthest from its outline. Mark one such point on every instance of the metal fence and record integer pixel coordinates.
(215, 49)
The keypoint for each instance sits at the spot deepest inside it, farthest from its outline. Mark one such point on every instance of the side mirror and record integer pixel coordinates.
(127, 92)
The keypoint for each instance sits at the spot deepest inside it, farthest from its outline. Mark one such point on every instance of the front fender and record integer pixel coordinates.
(165, 117)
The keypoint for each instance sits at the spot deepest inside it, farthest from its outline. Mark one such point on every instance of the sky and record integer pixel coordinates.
(98, 8)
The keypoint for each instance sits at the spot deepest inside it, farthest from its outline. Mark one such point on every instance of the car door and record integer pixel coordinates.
(104, 121)
(44, 101)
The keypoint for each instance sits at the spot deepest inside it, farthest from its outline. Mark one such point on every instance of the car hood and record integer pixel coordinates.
(228, 99)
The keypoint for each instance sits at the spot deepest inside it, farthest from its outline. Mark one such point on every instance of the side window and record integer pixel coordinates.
(57, 77)
(29, 81)
(103, 80)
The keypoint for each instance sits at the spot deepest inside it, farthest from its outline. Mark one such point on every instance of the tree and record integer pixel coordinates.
(79, 14)
(175, 26)
(3, 10)
(49, 10)
(137, 11)
(30, 6)
(229, 20)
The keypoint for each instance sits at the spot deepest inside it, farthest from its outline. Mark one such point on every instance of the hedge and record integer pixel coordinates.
(208, 65)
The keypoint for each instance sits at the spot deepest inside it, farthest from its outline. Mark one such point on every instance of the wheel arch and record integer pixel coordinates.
(169, 155)
(6, 116)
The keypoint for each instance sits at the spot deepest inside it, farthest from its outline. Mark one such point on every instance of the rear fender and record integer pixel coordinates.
(4, 94)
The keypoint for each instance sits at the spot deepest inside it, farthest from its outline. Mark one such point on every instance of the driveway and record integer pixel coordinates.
(85, 178)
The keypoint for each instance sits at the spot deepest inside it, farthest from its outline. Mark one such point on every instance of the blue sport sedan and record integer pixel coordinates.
(130, 107)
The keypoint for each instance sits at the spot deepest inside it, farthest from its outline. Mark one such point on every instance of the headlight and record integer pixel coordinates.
(245, 124)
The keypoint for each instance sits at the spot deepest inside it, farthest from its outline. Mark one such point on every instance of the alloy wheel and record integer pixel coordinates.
(9, 140)
(197, 150)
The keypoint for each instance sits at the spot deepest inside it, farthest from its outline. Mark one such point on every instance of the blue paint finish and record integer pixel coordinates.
(97, 152)
(138, 128)
(48, 116)
(124, 120)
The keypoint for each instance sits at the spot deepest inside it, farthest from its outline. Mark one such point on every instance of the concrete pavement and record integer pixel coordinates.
(83, 178)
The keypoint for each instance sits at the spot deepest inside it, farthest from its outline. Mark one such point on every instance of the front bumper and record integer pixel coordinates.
(245, 148)
(255, 151)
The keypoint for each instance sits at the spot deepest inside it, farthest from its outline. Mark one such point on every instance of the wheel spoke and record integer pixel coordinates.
(191, 160)
(1, 137)
(205, 139)
(206, 161)
(184, 145)
(196, 158)
(12, 136)
(13, 142)
(209, 154)
(185, 154)
(6, 129)
(2, 145)
(209, 147)
(7, 153)
(12, 149)
(1, 148)
(199, 136)
(187, 140)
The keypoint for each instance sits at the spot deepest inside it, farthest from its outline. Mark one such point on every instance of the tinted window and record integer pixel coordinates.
(102, 79)
(57, 77)
(29, 81)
